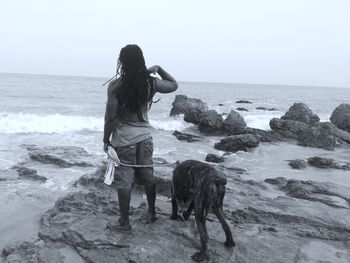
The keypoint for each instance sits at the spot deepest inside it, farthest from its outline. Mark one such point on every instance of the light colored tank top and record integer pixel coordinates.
(130, 130)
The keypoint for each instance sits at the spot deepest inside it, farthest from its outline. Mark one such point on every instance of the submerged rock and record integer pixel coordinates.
(341, 117)
(30, 174)
(266, 109)
(210, 122)
(244, 102)
(187, 137)
(235, 143)
(241, 109)
(62, 156)
(213, 158)
(301, 112)
(297, 164)
(234, 123)
(182, 104)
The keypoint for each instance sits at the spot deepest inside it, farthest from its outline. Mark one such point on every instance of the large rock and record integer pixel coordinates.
(182, 104)
(323, 135)
(210, 122)
(235, 143)
(341, 117)
(301, 112)
(234, 123)
(288, 128)
(192, 116)
(310, 223)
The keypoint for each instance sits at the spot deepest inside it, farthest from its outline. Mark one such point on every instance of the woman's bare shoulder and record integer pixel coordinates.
(113, 85)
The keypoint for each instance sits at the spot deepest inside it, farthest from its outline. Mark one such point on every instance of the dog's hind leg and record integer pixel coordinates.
(220, 215)
(200, 221)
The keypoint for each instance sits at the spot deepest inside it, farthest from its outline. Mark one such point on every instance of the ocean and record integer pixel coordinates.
(48, 111)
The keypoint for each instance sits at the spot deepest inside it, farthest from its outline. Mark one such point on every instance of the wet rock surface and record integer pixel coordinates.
(62, 156)
(182, 104)
(242, 109)
(235, 143)
(308, 221)
(341, 117)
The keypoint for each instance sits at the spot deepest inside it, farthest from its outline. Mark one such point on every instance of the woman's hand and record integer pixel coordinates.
(154, 69)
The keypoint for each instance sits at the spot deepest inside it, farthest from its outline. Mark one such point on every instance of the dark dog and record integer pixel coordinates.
(201, 187)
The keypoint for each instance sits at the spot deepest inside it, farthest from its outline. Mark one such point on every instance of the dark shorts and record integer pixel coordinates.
(139, 153)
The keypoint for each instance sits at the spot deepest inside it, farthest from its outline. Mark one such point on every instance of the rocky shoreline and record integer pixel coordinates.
(275, 220)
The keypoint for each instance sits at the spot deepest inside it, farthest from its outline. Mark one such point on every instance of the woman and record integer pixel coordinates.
(128, 130)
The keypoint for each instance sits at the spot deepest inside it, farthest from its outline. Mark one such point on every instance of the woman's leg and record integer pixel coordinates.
(123, 180)
(144, 152)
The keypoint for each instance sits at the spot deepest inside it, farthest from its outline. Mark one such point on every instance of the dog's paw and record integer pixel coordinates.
(199, 257)
(230, 243)
(178, 217)
(186, 215)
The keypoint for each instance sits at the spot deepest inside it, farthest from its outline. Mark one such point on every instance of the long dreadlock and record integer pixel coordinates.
(135, 91)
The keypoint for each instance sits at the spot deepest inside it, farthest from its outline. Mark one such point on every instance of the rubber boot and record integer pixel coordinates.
(151, 199)
(124, 197)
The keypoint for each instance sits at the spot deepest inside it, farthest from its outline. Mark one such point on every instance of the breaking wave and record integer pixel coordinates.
(11, 123)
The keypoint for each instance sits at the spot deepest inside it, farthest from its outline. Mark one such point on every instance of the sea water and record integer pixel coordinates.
(47, 110)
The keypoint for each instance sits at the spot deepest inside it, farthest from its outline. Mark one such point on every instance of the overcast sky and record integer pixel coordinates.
(300, 42)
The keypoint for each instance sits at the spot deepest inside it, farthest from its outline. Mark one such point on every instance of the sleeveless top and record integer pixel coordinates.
(130, 130)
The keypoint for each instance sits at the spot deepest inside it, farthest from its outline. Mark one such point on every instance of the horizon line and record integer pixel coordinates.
(193, 81)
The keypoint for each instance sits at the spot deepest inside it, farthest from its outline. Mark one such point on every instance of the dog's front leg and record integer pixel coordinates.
(220, 215)
(200, 221)
(187, 213)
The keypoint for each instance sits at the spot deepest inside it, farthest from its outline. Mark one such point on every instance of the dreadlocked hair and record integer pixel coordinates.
(134, 93)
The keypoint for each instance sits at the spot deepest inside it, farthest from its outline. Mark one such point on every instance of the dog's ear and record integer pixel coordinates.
(220, 181)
